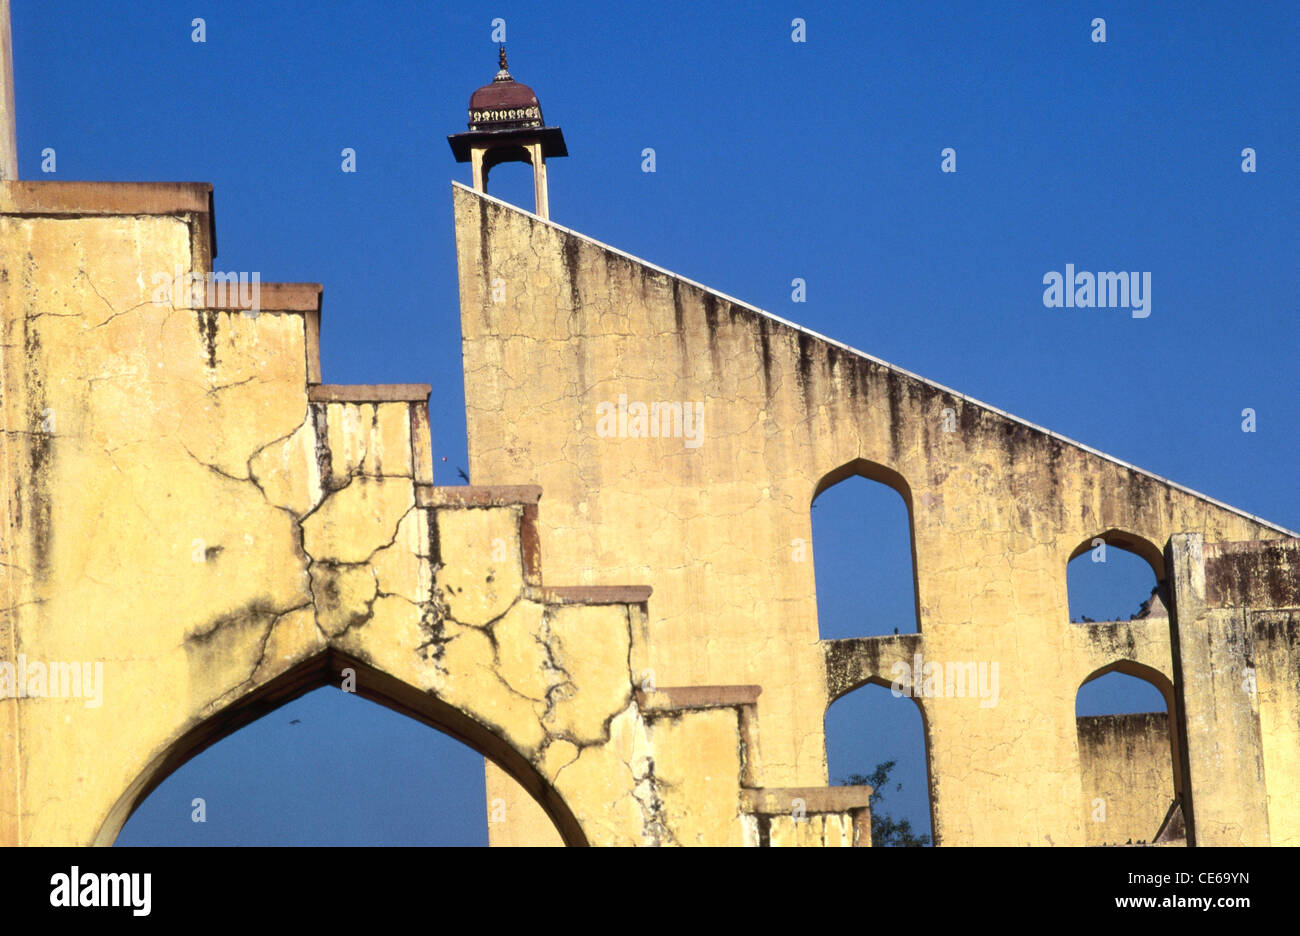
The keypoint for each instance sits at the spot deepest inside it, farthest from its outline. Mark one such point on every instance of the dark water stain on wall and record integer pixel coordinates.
(207, 323)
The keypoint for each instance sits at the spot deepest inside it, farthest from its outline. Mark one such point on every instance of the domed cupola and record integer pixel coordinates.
(505, 104)
(506, 125)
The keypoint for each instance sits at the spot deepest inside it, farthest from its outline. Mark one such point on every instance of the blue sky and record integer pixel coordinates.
(775, 160)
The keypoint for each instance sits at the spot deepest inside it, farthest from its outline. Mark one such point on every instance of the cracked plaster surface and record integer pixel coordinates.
(205, 529)
(554, 324)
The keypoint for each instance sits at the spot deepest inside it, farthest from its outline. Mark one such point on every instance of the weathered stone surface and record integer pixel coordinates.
(357, 521)
(480, 575)
(697, 766)
(186, 505)
(997, 508)
(1127, 774)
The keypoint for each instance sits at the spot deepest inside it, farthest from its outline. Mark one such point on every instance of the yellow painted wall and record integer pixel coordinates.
(210, 529)
(556, 327)
(1127, 773)
(190, 508)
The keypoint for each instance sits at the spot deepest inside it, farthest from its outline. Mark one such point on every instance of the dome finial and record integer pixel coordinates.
(504, 73)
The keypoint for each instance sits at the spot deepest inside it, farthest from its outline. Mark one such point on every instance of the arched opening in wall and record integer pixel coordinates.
(880, 740)
(325, 769)
(508, 176)
(1128, 756)
(863, 553)
(304, 762)
(1115, 576)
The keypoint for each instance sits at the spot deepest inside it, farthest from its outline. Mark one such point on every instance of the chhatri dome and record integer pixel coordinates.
(505, 104)
(506, 125)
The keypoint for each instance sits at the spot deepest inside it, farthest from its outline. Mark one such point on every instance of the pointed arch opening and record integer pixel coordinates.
(327, 669)
(1116, 576)
(328, 768)
(1129, 755)
(876, 738)
(864, 553)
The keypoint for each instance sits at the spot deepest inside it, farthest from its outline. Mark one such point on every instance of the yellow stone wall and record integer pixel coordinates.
(625, 627)
(1127, 773)
(1277, 636)
(191, 510)
(556, 327)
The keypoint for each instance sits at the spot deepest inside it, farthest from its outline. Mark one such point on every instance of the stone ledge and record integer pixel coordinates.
(778, 801)
(369, 393)
(677, 698)
(105, 198)
(594, 594)
(125, 199)
(499, 495)
(275, 297)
